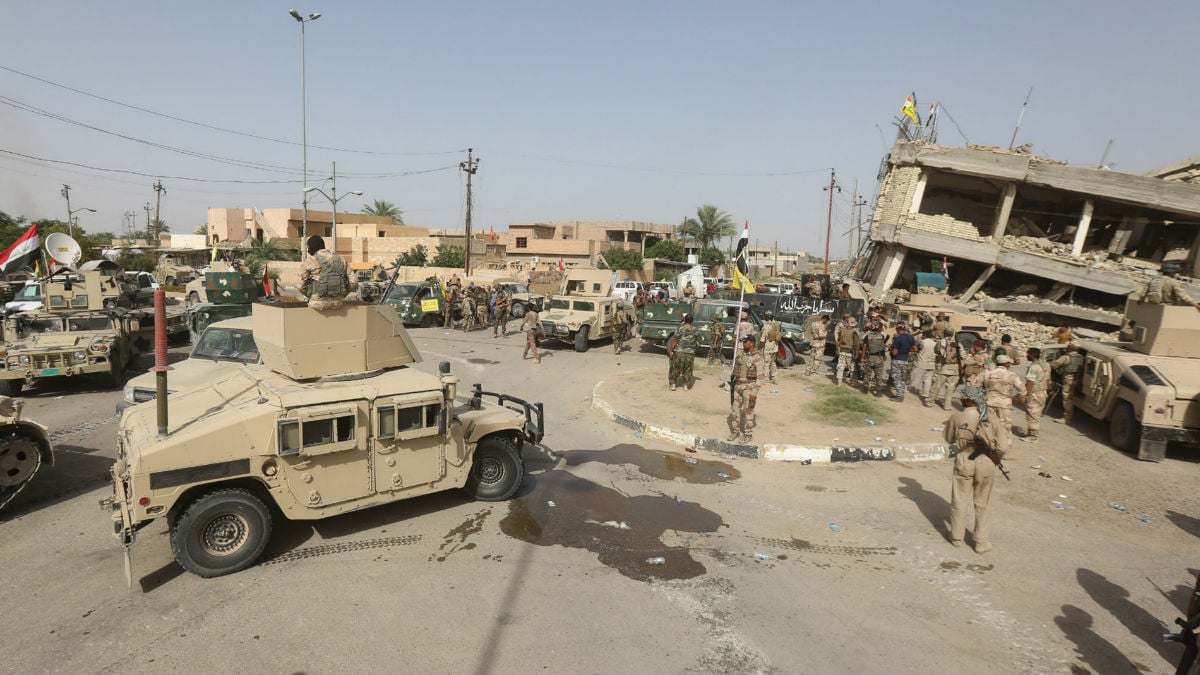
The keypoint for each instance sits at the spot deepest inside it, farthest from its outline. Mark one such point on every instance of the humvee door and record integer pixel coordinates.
(324, 453)
(408, 447)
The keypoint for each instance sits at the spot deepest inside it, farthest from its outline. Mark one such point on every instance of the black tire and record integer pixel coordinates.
(517, 310)
(1124, 431)
(116, 373)
(11, 388)
(785, 356)
(581, 339)
(496, 470)
(221, 533)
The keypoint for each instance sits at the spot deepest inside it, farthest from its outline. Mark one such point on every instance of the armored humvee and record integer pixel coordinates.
(24, 448)
(171, 271)
(967, 327)
(335, 420)
(583, 309)
(1148, 390)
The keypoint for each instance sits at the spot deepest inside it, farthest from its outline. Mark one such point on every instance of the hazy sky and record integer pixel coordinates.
(637, 110)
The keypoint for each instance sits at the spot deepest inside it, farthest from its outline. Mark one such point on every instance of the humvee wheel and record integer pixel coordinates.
(428, 321)
(496, 471)
(785, 356)
(581, 341)
(1124, 431)
(19, 460)
(517, 310)
(11, 388)
(116, 373)
(193, 298)
(221, 533)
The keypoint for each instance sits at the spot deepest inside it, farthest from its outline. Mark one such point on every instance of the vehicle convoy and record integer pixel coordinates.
(1148, 390)
(222, 347)
(228, 294)
(314, 432)
(418, 303)
(582, 311)
(661, 320)
(24, 448)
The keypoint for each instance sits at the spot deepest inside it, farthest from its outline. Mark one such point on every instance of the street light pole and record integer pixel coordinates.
(303, 122)
(71, 219)
(332, 200)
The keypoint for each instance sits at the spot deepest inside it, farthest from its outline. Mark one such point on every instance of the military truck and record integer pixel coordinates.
(228, 295)
(522, 299)
(661, 320)
(172, 271)
(418, 303)
(335, 420)
(12, 282)
(24, 448)
(222, 347)
(582, 311)
(1148, 390)
(967, 327)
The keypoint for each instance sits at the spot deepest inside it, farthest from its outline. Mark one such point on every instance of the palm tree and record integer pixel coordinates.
(383, 208)
(709, 225)
(264, 251)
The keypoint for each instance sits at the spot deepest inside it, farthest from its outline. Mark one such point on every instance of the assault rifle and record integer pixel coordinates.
(1187, 633)
(982, 447)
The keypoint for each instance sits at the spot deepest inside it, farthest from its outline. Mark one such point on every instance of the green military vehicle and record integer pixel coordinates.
(336, 420)
(229, 296)
(418, 303)
(661, 320)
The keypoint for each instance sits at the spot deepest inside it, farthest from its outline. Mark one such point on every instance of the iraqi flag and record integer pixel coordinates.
(741, 267)
(25, 246)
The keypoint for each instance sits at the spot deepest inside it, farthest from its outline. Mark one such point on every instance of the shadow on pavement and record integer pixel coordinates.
(1185, 522)
(933, 506)
(1100, 654)
(1136, 620)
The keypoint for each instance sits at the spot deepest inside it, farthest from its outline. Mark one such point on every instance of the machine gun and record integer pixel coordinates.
(1187, 633)
(982, 447)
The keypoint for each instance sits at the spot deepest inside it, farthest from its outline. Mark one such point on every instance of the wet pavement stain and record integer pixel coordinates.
(809, 547)
(623, 531)
(482, 362)
(456, 540)
(950, 565)
(658, 464)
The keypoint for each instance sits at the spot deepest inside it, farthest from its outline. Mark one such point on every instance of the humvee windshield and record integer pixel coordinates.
(585, 306)
(514, 288)
(707, 312)
(560, 304)
(39, 326)
(89, 323)
(226, 344)
(401, 293)
(29, 292)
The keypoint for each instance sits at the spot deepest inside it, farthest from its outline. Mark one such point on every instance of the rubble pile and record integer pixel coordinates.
(1031, 333)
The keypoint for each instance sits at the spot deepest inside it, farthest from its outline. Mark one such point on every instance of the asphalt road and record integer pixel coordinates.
(557, 580)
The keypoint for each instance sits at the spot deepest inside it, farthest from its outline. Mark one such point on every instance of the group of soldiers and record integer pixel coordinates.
(477, 307)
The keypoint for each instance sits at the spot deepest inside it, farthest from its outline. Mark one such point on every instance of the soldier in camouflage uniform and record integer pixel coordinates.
(748, 372)
(452, 302)
(482, 308)
(974, 363)
(500, 327)
(620, 324)
(1166, 290)
(772, 334)
(1037, 379)
(873, 353)
(949, 370)
(324, 277)
(717, 333)
(683, 353)
(1070, 364)
(468, 310)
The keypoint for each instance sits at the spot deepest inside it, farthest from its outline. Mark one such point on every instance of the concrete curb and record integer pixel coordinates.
(777, 452)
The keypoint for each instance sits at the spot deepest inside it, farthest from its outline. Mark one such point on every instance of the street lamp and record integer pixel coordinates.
(332, 200)
(303, 120)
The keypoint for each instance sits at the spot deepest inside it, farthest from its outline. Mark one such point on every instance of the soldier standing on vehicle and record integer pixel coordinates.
(1062, 335)
(503, 307)
(455, 284)
(1037, 380)
(1165, 289)
(682, 353)
(814, 289)
(847, 341)
(818, 328)
(772, 333)
(1070, 364)
(717, 335)
(1009, 350)
(620, 323)
(949, 370)
(941, 327)
(324, 277)
(747, 373)
(924, 367)
(689, 291)
(844, 294)
(531, 326)
(972, 430)
(468, 309)
(872, 354)
(902, 345)
(973, 364)
(999, 383)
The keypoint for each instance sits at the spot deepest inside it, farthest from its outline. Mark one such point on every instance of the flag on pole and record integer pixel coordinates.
(560, 264)
(946, 272)
(25, 245)
(932, 113)
(492, 231)
(741, 268)
(910, 108)
(267, 280)
(214, 253)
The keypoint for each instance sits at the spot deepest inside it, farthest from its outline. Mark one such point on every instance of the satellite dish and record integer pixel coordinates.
(63, 249)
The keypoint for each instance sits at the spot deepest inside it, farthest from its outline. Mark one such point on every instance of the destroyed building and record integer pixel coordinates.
(1028, 235)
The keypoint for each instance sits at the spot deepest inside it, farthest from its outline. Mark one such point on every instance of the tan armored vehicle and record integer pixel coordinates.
(967, 327)
(171, 271)
(335, 420)
(1148, 390)
(582, 311)
(24, 448)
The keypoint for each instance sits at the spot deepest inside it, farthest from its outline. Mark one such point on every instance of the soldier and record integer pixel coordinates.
(973, 364)
(747, 373)
(1070, 365)
(814, 289)
(482, 308)
(817, 330)
(902, 346)
(324, 277)
(924, 367)
(503, 307)
(682, 353)
(941, 327)
(717, 335)
(1062, 335)
(1009, 350)
(531, 326)
(468, 310)
(949, 370)
(847, 341)
(455, 284)
(744, 328)
(452, 301)
(620, 323)
(999, 383)
(689, 291)
(1037, 379)
(1166, 290)
(974, 433)
(872, 353)
(639, 306)
(844, 294)
(772, 333)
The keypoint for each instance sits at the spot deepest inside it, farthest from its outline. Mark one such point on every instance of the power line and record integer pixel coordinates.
(661, 170)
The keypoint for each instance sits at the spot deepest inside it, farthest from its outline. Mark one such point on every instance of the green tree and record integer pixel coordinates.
(449, 256)
(382, 208)
(417, 256)
(711, 257)
(667, 249)
(622, 259)
(709, 225)
(264, 251)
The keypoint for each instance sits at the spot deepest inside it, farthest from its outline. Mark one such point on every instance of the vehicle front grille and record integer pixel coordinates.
(49, 360)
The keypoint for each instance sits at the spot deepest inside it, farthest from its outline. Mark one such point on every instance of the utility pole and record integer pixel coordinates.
(147, 208)
(130, 219)
(859, 203)
(470, 167)
(66, 193)
(829, 222)
(159, 191)
(850, 235)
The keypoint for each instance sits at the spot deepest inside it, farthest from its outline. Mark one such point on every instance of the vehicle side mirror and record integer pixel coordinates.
(444, 367)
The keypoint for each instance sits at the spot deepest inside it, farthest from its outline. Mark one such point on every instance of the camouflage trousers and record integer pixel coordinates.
(1002, 415)
(468, 321)
(448, 316)
(741, 418)
(681, 367)
(845, 366)
(500, 326)
(1068, 391)
(873, 377)
(714, 352)
(619, 339)
(531, 345)
(1035, 403)
(944, 385)
(481, 317)
(770, 349)
(900, 378)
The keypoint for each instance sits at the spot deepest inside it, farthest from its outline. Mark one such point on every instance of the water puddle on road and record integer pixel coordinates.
(662, 465)
(558, 508)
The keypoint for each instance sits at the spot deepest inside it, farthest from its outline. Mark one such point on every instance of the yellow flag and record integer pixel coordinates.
(214, 253)
(909, 108)
(37, 269)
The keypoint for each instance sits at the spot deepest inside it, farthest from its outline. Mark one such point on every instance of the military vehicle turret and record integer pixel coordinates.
(24, 448)
(336, 419)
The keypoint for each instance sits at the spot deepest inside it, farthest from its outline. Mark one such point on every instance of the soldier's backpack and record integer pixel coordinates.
(332, 283)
